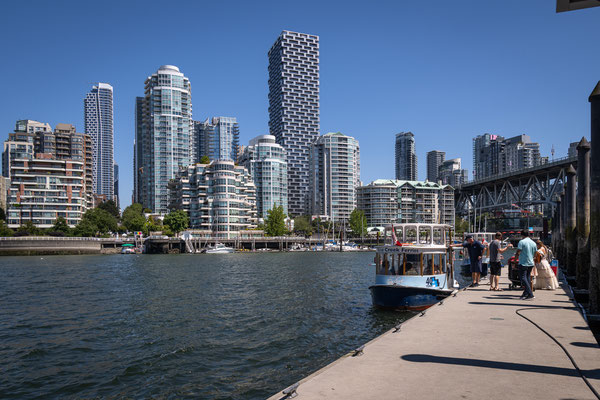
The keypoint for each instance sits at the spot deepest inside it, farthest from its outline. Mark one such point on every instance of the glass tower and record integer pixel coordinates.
(406, 157)
(217, 138)
(334, 175)
(166, 134)
(266, 161)
(294, 108)
(98, 119)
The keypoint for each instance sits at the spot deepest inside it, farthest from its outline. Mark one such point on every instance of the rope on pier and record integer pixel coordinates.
(562, 347)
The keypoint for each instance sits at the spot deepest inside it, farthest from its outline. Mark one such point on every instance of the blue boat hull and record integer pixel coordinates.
(395, 297)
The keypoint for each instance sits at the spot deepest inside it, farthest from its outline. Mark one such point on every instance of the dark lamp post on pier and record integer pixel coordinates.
(595, 205)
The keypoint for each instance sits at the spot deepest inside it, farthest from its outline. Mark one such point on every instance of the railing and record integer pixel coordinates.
(55, 238)
(557, 161)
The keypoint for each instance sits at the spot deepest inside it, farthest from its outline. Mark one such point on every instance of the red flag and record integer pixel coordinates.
(394, 238)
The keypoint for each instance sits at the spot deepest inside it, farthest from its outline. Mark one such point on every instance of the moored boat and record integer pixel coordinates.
(415, 270)
(219, 248)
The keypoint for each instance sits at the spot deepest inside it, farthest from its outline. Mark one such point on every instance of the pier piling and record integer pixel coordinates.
(594, 99)
(583, 213)
(571, 223)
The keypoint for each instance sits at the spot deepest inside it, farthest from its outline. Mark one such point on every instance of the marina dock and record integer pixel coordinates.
(479, 344)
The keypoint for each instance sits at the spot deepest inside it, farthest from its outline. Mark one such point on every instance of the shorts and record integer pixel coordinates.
(476, 266)
(495, 268)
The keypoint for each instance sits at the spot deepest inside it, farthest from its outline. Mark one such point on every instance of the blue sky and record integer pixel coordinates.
(445, 70)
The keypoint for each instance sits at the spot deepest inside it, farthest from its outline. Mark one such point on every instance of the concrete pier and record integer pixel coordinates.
(595, 205)
(571, 223)
(473, 346)
(583, 214)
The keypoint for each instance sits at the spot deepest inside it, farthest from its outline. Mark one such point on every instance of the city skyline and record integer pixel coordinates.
(466, 68)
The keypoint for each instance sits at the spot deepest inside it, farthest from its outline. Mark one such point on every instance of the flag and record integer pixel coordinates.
(394, 238)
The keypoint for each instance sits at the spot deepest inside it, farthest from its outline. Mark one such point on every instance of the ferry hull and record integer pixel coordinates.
(394, 297)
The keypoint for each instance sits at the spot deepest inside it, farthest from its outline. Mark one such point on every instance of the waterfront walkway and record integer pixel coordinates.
(473, 346)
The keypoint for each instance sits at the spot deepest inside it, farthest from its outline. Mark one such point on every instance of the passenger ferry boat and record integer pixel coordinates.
(415, 270)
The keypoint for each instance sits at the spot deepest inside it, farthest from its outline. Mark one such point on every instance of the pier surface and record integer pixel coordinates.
(473, 346)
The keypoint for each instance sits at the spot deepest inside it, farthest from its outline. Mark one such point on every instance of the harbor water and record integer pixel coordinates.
(225, 326)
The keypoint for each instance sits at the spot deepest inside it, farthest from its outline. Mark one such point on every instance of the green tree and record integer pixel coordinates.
(152, 225)
(358, 222)
(110, 207)
(85, 228)
(275, 222)
(204, 160)
(302, 226)
(60, 227)
(177, 221)
(104, 221)
(28, 229)
(133, 218)
(5, 230)
(461, 226)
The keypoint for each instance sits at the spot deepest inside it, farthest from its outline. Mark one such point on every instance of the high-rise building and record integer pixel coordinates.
(138, 151)
(294, 108)
(166, 135)
(435, 158)
(266, 161)
(116, 184)
(50, 175)
(386, 201)
(406, 157)
(218, 138)
(451, 173)
(98, 118)
(493, 154)
(334, 175)
(220, 198)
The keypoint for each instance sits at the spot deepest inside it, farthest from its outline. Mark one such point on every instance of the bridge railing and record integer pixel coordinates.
(553, 163)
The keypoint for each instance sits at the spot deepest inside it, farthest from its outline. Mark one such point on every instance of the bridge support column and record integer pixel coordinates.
(595, 205)
(556, 224)
(583, 214)
(571, 234)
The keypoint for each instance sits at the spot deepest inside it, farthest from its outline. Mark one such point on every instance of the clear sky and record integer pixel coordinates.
(445, 70)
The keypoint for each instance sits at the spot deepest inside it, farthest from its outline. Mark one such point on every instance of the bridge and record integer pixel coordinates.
(539, 185)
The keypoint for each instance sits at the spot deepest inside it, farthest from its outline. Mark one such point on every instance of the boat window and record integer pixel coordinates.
(410, 234)
(385, 265)
(377, 261)
(438, 264)
(427, 264)
(425, 235)
(411, 264)
(438, 236)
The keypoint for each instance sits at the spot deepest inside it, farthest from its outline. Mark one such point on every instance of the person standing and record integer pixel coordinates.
(475, 250)
(525, 253)
(545, 276)
(495, 257)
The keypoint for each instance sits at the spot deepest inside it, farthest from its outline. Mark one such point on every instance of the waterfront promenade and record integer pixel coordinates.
(472, 346)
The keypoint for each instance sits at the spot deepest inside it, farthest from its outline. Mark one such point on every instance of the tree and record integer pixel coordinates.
(152, 225)
(110, 207)
(358, 222)
(275, 222)
(133, 218)
(204, 160)
(60, 227)
(177, 221)
(85, 228)
(302, 225)
(461, 226)
(5, 230)
(28, 229)
(104, 221)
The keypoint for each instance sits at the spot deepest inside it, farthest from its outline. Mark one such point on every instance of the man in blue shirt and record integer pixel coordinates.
(525, 253)
(475, 249)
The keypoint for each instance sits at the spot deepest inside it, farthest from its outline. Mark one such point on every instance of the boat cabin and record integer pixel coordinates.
(422, 250)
